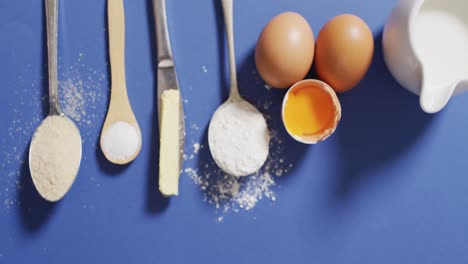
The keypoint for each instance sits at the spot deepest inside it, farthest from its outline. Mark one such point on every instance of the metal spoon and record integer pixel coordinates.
(55, 150)
(217, 124)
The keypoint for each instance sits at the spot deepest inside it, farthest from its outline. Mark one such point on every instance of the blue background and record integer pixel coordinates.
(390, 186)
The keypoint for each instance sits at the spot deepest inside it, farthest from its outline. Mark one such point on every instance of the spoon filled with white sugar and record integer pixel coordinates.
(55, 150)
(238, 135)
(120, 136)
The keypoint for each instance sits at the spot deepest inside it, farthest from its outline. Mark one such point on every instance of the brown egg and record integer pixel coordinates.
(285, 50)
(344, 50)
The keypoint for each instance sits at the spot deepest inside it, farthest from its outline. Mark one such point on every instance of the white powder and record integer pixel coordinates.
(229, 193)
(196, 148)
(82, 92)
(55, 157)
(121, 141)
(79, 98)
(74, 98)
(239, 138)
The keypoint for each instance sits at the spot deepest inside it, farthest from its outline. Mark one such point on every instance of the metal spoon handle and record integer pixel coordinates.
(228, 21)
(51, 8)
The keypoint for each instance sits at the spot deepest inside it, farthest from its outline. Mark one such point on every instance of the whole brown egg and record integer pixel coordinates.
(344, 50)
(285, 50)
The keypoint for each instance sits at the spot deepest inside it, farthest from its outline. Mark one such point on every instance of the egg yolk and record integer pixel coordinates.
(308, 111)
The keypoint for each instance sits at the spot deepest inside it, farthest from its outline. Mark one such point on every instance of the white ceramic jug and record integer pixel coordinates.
(425, 44)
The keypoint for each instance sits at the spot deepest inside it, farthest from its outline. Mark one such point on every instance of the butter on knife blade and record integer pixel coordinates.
(169, 154)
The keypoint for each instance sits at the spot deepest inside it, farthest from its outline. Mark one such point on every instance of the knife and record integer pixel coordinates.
(171, 150)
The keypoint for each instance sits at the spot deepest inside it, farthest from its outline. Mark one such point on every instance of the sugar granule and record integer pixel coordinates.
(196, 148)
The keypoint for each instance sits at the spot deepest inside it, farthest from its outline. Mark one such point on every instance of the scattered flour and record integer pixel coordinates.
(77, 97)
(82, 89)
(229, 193)
(235, 194)
(196, 148)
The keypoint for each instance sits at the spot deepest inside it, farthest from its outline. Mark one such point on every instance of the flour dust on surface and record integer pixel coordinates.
(227, 193)
(82, 91)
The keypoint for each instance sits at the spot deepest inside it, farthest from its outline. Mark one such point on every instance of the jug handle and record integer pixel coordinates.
(434, 97)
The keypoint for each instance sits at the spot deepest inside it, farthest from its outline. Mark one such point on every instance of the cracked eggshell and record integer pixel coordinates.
(333, 123)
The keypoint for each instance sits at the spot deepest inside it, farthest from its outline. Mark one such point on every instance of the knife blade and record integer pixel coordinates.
(167, 80)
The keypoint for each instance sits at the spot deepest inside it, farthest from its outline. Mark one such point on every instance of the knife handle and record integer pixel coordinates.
(162, 31)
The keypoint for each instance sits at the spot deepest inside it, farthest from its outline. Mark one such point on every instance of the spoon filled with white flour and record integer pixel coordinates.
(55, 151)
(238, 135)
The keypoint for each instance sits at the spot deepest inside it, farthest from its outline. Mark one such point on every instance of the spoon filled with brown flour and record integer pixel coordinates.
(55, 151)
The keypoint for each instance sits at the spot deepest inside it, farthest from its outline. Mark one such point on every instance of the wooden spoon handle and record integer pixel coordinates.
(116, 20)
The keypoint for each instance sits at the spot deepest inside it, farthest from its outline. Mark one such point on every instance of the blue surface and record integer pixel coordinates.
(390, 186)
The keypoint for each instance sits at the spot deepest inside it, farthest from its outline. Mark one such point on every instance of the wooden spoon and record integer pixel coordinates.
(120, 109)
